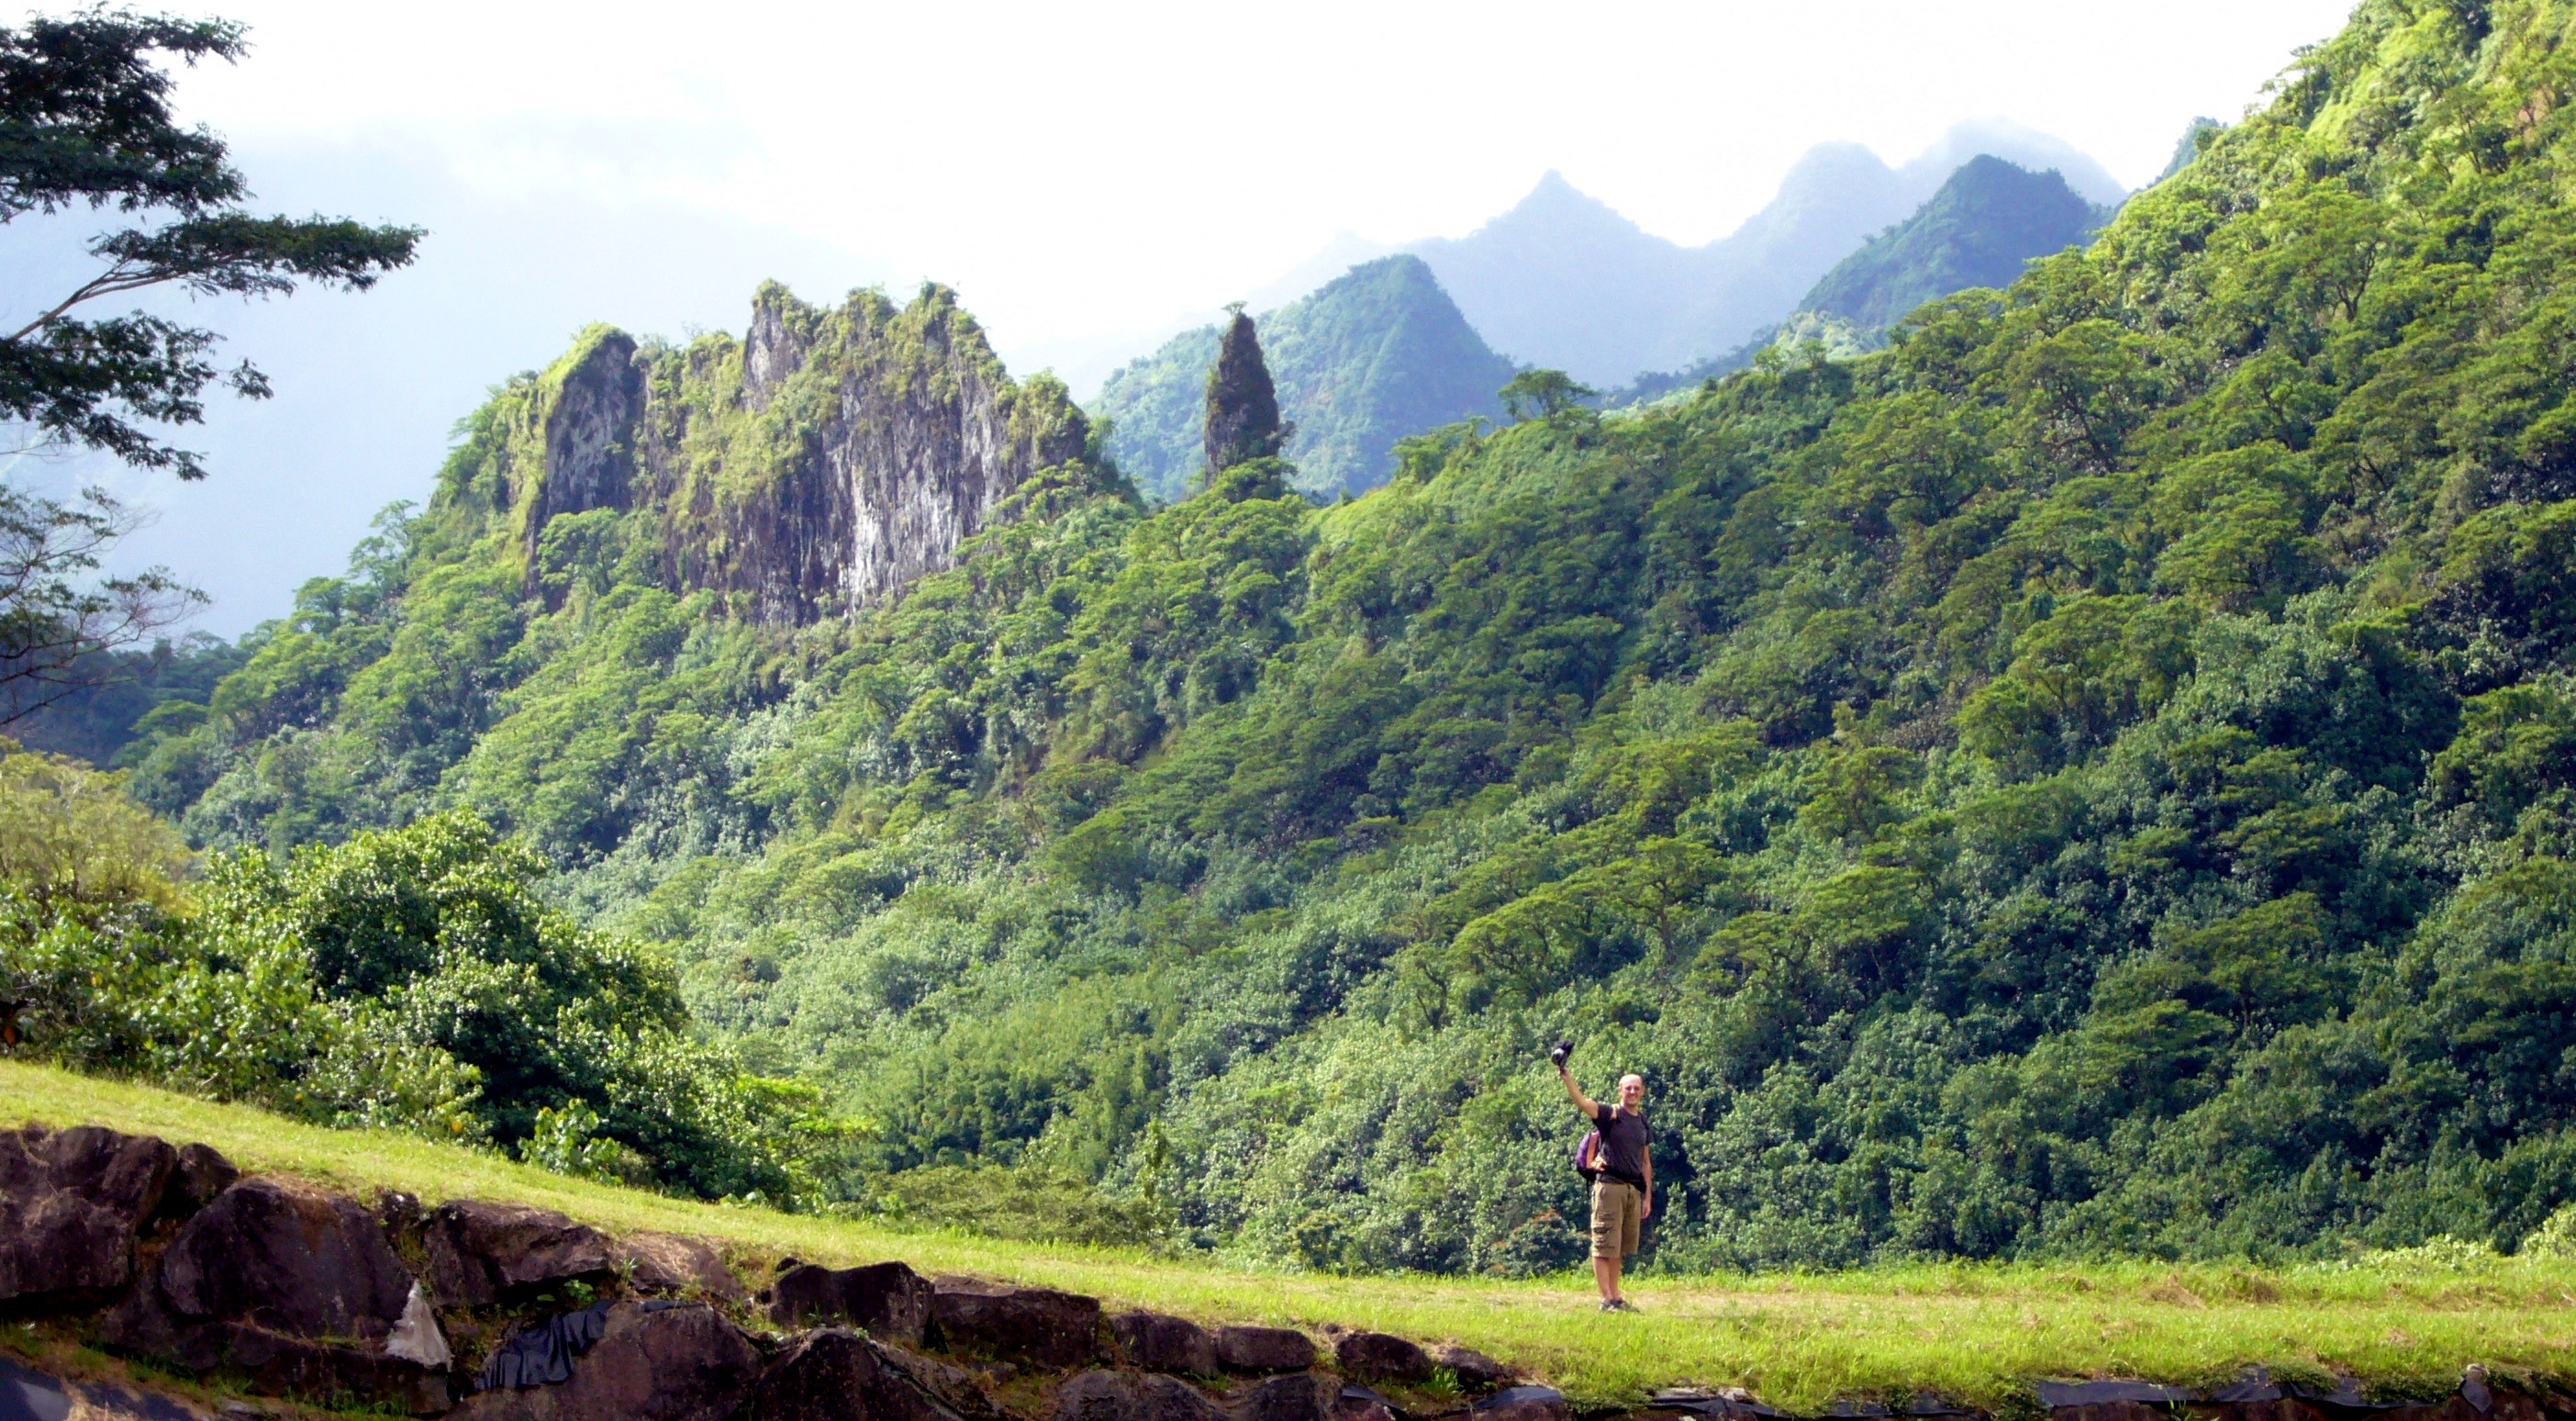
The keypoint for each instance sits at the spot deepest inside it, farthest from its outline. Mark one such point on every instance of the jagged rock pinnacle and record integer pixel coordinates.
(1242, 409)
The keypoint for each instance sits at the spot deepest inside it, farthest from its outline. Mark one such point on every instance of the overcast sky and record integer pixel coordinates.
(1085, 175)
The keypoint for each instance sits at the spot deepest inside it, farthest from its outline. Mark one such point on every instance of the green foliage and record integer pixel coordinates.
(407, 978)
(2092, 778)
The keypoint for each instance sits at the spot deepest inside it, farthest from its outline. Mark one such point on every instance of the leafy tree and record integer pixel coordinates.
(85, 123)
(88, 122)
(1548, 395)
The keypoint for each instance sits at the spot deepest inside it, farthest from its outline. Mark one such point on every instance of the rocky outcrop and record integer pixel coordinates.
(590, 428)
(891, 437)
(1038, 1326)
(653, 1361)
(1158, 1342)
(480, 1253)
(1242, 408)
(71, 1203)
(295, 1288)
(887, 1299)
(840, 456)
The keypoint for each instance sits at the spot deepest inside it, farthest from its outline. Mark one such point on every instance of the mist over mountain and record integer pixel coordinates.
(1564, 280)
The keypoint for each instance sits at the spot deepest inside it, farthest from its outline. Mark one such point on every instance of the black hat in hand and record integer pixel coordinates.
(1560, 1051)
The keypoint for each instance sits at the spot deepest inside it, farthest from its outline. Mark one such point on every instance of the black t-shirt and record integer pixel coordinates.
(1623, 1144)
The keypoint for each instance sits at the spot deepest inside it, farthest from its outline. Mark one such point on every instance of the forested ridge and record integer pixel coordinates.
(2097, 776)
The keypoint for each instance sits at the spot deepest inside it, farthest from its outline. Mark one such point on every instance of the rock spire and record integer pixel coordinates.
(1242, 409)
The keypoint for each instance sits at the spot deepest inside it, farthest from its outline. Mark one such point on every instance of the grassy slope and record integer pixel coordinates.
(1974, 1333)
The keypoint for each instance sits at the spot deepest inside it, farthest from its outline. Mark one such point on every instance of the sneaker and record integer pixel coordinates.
(1617, 1305)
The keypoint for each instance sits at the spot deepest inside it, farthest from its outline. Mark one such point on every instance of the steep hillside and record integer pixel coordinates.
(1984, 224)
(1563, 281)
(1376, 354)
(2098, 777)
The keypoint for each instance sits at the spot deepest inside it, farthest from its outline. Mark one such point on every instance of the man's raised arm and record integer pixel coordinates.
(1575, 1093)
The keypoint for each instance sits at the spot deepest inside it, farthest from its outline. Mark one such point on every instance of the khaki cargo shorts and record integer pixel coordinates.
(1618, 1211)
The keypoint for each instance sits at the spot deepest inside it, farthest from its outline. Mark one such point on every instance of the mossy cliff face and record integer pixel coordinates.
(828, 459)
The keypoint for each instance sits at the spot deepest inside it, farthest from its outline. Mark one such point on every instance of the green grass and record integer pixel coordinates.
(2401, 1322)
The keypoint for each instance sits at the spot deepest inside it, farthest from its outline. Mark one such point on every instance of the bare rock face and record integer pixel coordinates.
(1160, 1343)
(845, 454)
(835, 1374)
(71, 1203)
(1038, 1326)
(892, 436)
(1299, 1397)
(1380, 1356)
(1264, 1349)
(654, 1361)
(669, 1263)
(296, 1288)
(1129, 1396)
(887, 1299)
(481, 1252)
(590, 434)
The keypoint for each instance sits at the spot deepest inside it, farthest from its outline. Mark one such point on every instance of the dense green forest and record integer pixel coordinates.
(2096, 776)
(1372, 356)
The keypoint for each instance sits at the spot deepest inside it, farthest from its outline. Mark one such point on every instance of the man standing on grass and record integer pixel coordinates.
(1624, 1193)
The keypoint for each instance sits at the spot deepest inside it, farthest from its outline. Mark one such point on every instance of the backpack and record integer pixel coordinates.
(1587, 1158)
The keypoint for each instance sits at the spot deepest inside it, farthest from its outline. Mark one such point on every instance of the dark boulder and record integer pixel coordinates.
(670, 1263)
(1358, 1403)
(295, 1288)
(481, 1252)
(836, 1374)
(1381, 1356)
(1131, 1396)
(1474, 1370)
(1301, 1397)
(1523, 1403)
(1038, 1326)
(653, 1361)
(1264, 1349)
(71, 1203)
(1159, 1342)
(202, 1173)
(888, 1299)
(42, 1396)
